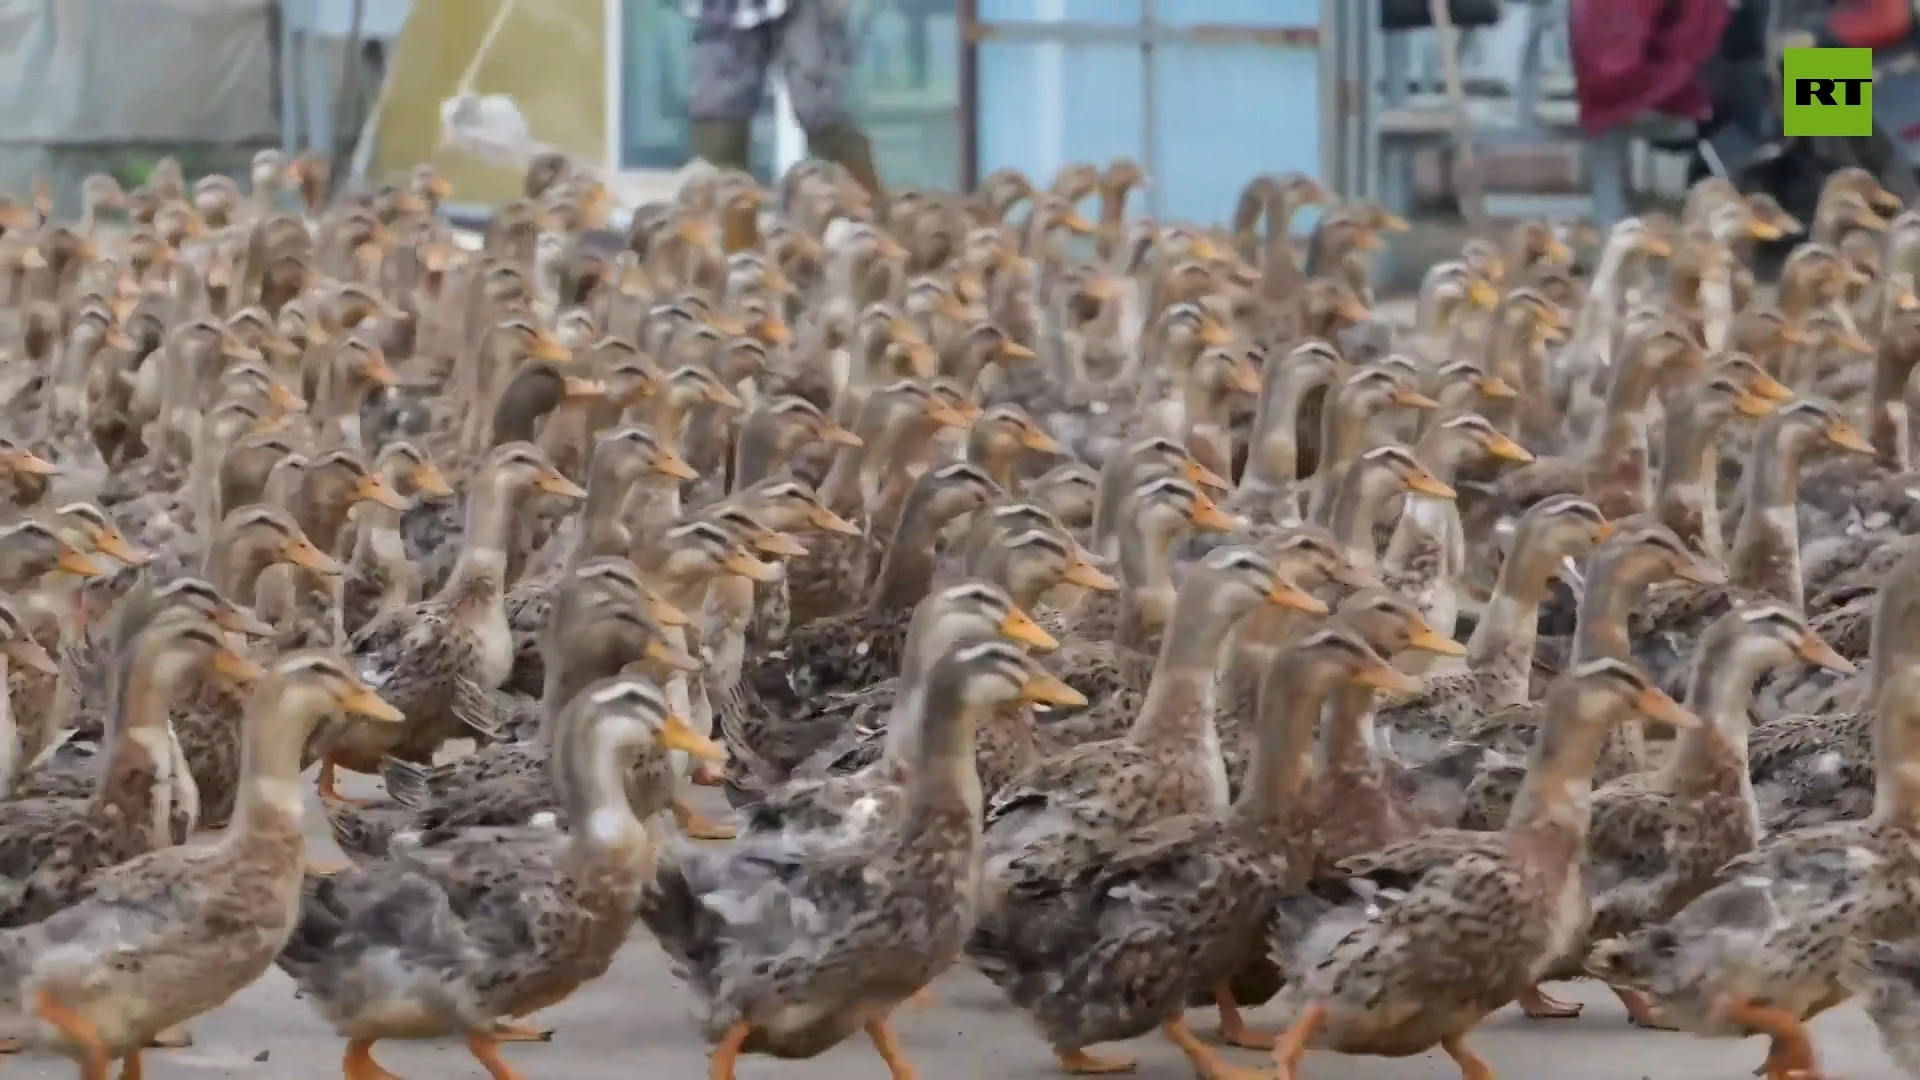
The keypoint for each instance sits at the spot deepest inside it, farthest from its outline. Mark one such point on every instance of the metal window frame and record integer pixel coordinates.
(1148, 35)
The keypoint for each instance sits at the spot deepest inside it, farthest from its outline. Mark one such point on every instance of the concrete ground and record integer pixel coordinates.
(634, 1023)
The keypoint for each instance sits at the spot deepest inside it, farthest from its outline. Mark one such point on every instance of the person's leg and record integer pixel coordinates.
(727, 77)
(816, 58)
(1609, 160)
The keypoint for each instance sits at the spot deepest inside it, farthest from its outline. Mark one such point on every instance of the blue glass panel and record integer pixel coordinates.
(1246, 12)
(1042, 106)
(1110, 12)
(906, 88)
(1224, 113)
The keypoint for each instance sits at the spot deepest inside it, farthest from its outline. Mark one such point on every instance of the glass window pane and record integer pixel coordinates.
(1045, 105)
(1241, 12)
(906, 89)
(1217, 124)
(657, 41)
(1088, 11)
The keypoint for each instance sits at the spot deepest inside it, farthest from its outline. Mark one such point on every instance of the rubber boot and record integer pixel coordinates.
(847, 147)
(724, 144)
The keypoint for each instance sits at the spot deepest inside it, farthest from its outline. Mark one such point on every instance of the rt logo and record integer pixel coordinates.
(1828, 91)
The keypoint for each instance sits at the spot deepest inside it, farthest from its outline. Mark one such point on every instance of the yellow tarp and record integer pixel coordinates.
(549, 57)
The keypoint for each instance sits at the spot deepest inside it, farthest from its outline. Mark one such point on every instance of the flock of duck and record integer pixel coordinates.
(1082, 598)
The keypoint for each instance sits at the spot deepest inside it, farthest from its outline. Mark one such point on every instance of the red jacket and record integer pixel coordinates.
(1637, 56)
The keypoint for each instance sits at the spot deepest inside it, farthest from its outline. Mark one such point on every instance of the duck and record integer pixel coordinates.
(1660, 838)
(1617, 573)
(1168, 762)
(51, 844)
(20, 749)
(872, 947)
(1125, 471)
(1497, 673)
(1777, 939)
(379, 580)
(438, 661)
(896, 429)
(604, 621)
(854, 790)
(1764, 560)
(1269, 482)
(1101, 936)
(855, 649)
(1119, 677)
(469, 928)
(175, 932)
(1426, 556)
(71, 772)
(1351, 407)
(1469, 930)
(1123, 629)
(623, 457)
(1686, 495)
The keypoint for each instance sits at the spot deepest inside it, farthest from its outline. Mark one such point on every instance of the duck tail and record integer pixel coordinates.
(1001, 952)
(670, 909)
(17, 949)
(408, 784)
(317, 930)
(362, 834)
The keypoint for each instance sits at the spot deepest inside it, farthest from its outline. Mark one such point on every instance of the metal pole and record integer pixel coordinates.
(968, 89)
(1149, 119)
(351, 68)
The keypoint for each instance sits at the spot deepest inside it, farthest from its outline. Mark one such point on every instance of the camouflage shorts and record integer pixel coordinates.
(811, 44)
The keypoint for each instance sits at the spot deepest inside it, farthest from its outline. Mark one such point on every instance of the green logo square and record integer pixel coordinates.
(1828, 91)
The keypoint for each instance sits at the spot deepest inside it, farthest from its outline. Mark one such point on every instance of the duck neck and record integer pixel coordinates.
(377, 543)
(1896, 744)
(1146, 569)
(997, 460)
(1179, 698)
(1887, 427)
(602, 532)
(765, 442)
(1117, 477)
(907, 569)
(1427, 523)
(13, 756)
(1686, 498)
(1712, 758)
(1766, 543)
(1616, 462)
(1600, 631)
(944, 785)
(1592, 325)
(269, 809)
(589, 771)
(235, 567)
(134, 786)
(1290, 700)
(483, 559)
(1600, 623)
(1273, 461)
(1347, 745)
(1501, 648)
(1343, 434)
(1354, 510)
(1507, 356)
(670, 419)
(1554, 808)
